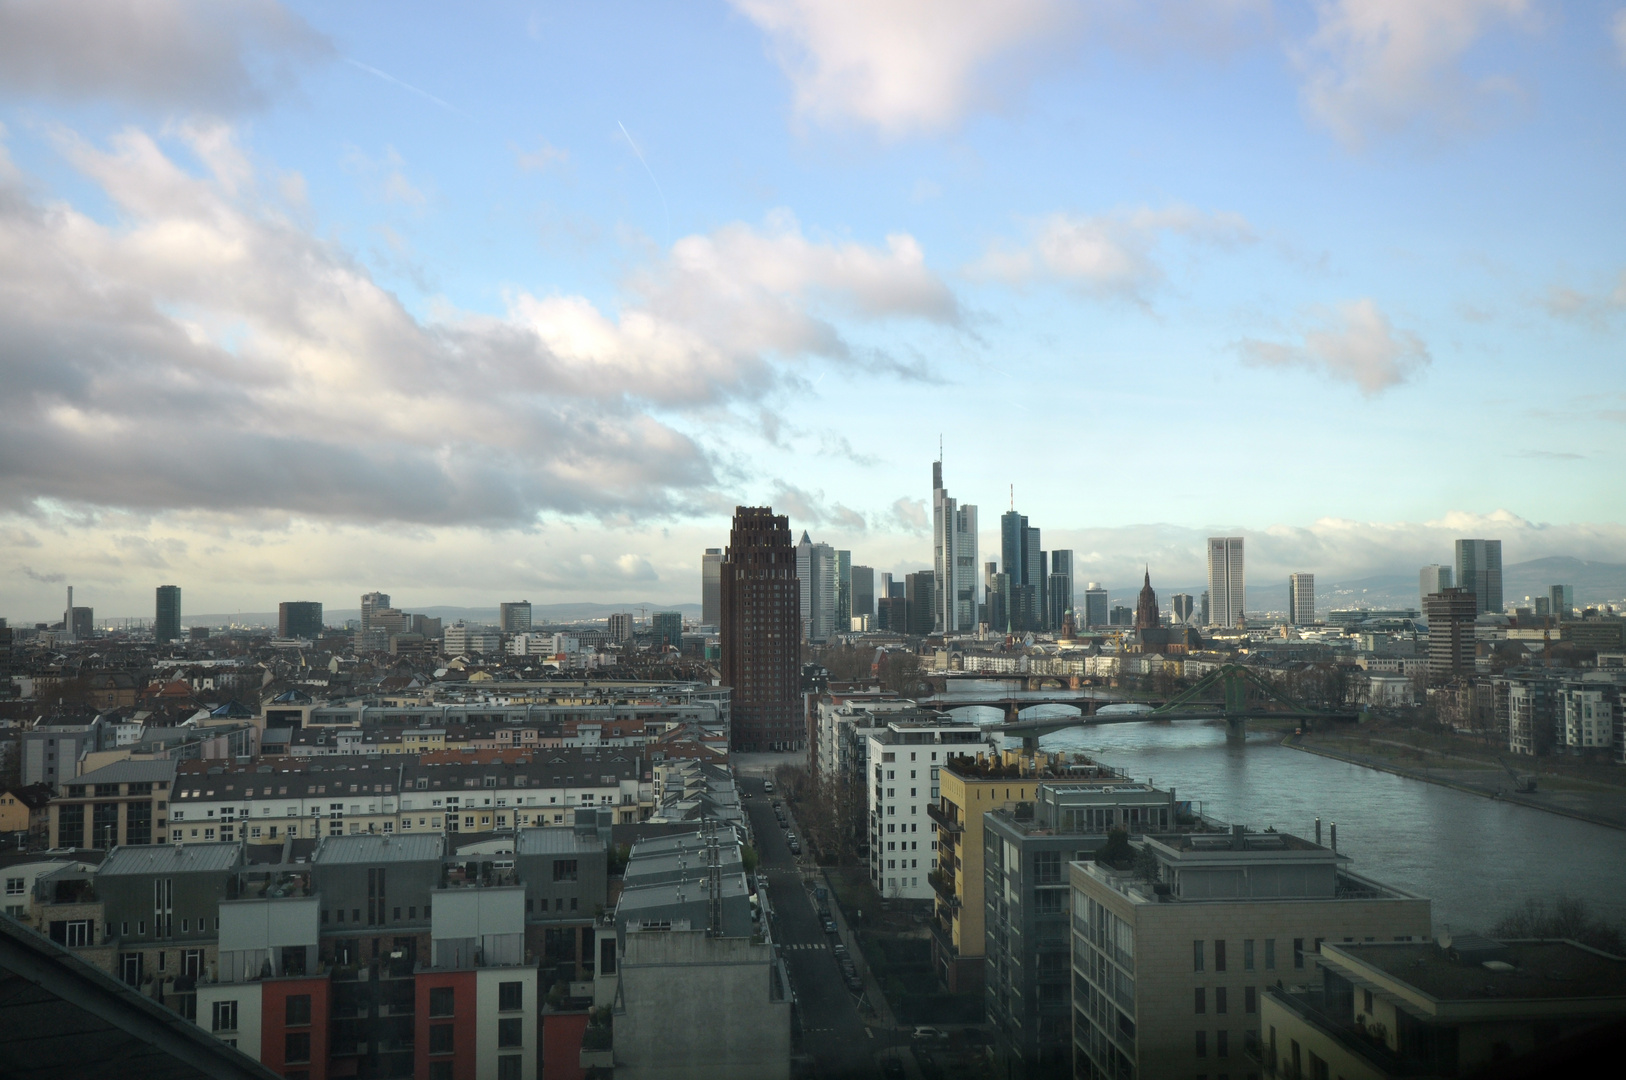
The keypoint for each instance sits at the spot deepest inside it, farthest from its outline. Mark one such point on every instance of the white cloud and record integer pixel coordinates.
(1596, 307)
(219, 56)
(1107, 253)
(546, 156)
(1355, 343)
(808, 510)
(207, 350)
(1376, 66)
(902, 66)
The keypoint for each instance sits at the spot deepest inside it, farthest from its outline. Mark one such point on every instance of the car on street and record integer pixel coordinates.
(767, 785)
(829, 924)
(926, 1031)
(854, 983)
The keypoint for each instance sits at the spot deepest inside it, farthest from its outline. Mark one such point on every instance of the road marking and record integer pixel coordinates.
(870, 1032)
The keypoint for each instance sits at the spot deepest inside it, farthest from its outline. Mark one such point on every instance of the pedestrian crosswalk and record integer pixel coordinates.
(819, 945)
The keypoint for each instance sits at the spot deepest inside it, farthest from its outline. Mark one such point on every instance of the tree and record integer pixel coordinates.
(1568, 917)
(900, 673)
(1116, 852)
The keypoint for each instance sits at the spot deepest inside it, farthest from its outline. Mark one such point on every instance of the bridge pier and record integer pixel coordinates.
(1236, 727)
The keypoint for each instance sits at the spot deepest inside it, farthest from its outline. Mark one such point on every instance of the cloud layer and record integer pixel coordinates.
(207, 351)
(216, 56)
(1355, 343)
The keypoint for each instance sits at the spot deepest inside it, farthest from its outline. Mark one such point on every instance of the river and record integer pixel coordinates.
(1476, 858)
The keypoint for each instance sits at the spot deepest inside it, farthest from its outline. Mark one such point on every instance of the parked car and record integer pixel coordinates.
(926, 1031)
(854, 983)
(829, 925)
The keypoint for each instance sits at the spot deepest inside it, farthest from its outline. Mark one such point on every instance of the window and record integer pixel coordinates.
(1247, 955)
(510, 996)
(1250, 1000)
(509, 1067)
(1047, 867)
(297, 1010)
(1200, 1004)
(1219, 999)
(1202, 1044)
(225, 1016)
(1222, 1043)
(14, 886)
(440, 1070)
(1270, 954)
(564, 869)
(510, 1032)
(1219, 955)
(1366, 1000)
(440, 1038)
(78, 934)
(1196, 956)
(296, 1046)
(1298, 952)
(440, 1001)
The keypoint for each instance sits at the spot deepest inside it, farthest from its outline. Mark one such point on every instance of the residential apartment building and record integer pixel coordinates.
(970, 785)
(905, 760)
(125, 803)
(1589, 710)
(1169, 972)
(1455, 1007)
(1026, 848)
(1525, 705)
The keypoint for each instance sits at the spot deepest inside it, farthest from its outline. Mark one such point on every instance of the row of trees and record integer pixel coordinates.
(833, 815)
(898, 671)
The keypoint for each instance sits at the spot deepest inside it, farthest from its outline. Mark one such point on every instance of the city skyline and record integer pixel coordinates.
(789, 306)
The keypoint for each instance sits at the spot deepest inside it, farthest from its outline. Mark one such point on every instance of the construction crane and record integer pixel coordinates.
(1522, 782)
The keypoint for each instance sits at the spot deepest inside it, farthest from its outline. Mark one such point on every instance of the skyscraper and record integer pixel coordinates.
(1430, 580)
(1059, 587)
(816, 570)
(711, 587)
(954, 554)
(1095, 605)
(1227, 585)
(1301, 599)
(1182, 607)
(997, 586)
(921, 589)
(620, 627)
(844, 592)
(1033, 576)
(1479, 571)
(761, 632)
(1561, 601)
(371, 604)
(1451, 613)
(863, 587)
(514, 617)
(166, 625)
(299, 619)
(668, 628)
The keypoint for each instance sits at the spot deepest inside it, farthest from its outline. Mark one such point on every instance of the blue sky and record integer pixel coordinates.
(466, 303)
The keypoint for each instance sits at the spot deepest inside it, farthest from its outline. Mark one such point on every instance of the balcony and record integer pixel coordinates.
(944, 822)
(944, 887)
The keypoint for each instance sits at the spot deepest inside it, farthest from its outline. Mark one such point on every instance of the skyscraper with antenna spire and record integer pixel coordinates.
(954, 558)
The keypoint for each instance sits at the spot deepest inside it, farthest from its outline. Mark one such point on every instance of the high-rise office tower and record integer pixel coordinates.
(1479, 571)
(954, 554)
(166, 625)
(1561, 601)
(816, 570)
(1202, 616)
(514, 617)
(1034, 577)
(1451, 613)
(667, 627)
(997, 586)
(1095, 605)
(620, 627)
(1059, 587)
(885, 591)
(1182, 607)
(1430, 580)
(844, 591)
(299, 619)
(372, 603)
(1227, 585)
(711, 587)
(761, 632)
(863, 587)
(1301, 599)
(920, 589)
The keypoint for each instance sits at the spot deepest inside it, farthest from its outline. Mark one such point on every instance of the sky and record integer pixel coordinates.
(470, 303)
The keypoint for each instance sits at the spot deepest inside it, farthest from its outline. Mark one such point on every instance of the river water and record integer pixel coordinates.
(1476, 858)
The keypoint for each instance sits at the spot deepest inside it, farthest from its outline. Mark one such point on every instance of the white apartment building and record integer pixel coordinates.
(904, 760)
(1590, 713)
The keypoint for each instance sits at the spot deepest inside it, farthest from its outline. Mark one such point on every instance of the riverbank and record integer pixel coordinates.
(1599, 804)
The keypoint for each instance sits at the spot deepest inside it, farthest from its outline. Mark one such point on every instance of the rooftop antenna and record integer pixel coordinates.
(1013, 498)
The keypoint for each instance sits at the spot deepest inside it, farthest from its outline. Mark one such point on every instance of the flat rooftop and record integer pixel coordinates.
(1534, 969)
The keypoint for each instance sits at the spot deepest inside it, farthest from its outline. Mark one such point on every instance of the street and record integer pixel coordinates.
(832, 1033)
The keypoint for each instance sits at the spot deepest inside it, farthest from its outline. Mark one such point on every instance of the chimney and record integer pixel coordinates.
(1335, 836)
(1238, 841)
(1317, 832)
